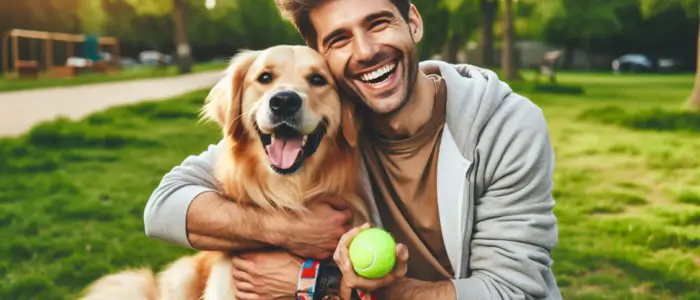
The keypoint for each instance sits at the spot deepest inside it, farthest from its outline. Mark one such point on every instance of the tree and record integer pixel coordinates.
(509, 65)
(575, 24)
(458, 21)
(692, 8)
(177, 10)
(487, 18)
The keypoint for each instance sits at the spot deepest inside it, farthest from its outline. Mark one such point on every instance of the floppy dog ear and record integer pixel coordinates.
(223, 104)
(349, 124)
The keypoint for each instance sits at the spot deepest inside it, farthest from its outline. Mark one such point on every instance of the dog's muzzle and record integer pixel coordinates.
(285, 104)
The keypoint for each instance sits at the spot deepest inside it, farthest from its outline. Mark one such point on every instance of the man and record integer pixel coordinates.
(459, 168)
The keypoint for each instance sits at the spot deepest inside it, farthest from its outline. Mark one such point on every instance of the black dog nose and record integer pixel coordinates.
(285, 103)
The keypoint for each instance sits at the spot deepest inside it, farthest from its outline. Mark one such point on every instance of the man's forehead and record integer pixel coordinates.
(331, 15)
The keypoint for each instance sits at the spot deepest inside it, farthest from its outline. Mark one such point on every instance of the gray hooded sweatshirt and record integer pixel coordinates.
(495, 202)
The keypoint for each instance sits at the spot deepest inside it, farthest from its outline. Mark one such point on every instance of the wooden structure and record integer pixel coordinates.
(30, 68)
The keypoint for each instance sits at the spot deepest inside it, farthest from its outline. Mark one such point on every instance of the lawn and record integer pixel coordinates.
(627, 186)
(14, 84)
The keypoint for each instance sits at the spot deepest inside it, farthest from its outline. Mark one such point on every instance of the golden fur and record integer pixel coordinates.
(239, 104)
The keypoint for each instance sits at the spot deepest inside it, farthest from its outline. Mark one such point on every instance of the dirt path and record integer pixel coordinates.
(21, 110)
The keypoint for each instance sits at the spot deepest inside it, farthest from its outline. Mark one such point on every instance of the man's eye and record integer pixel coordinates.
(379, 24)
(337, 41)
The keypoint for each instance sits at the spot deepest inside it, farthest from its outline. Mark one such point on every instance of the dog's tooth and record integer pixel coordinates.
(303, 140)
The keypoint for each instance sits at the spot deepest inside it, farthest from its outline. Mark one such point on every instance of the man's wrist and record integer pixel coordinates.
(408, 288)
(273, 227)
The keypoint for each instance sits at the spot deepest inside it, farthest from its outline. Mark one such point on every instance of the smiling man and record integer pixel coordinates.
(458, 166)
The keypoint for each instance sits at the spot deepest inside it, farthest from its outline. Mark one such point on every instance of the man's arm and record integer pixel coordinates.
(515, 229)
(187, 210)
(215, 223)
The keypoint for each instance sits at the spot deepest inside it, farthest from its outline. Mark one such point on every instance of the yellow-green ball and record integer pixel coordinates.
(372, 253)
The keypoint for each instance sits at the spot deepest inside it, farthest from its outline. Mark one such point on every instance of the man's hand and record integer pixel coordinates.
(353, 281)
(266, 275)
(317, 234)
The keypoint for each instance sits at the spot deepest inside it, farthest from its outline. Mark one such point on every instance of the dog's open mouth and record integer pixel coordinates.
(287, 148)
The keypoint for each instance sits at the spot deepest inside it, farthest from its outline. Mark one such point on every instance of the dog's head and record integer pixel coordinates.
(284, 99)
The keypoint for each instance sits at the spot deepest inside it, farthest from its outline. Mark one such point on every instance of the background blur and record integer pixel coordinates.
(100, 98)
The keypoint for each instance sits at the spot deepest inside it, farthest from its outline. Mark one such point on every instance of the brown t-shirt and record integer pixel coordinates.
(404, 183)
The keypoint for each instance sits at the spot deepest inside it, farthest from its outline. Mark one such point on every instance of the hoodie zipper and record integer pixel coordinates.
(466, 236)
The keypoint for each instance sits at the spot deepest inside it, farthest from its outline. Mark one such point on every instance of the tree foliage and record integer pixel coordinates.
(606, 26)
(654, 7)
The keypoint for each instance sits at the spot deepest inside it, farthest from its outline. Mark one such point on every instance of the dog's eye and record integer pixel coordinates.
(265, 78)
(317, 80)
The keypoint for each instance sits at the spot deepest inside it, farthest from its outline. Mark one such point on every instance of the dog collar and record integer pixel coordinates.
(321, 281)
(308, 275)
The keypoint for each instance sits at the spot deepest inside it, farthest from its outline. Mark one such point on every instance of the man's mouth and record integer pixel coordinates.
(287, 147)
(380, 76)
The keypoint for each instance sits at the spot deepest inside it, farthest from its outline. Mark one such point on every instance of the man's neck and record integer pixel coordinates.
(409, 119)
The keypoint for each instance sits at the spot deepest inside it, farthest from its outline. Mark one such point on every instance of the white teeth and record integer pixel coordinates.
(377, 73)
(272, 139)
(303, 140)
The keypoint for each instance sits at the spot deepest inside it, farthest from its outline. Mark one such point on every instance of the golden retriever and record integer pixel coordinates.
(289, 138)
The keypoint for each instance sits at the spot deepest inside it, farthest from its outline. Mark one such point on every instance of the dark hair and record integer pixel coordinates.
(297, 12)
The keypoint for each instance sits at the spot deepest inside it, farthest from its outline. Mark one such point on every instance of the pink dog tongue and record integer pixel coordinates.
(283, 152)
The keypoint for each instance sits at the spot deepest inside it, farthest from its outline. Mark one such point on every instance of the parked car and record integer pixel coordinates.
(152, 58)
(640, 63)
(633, 63)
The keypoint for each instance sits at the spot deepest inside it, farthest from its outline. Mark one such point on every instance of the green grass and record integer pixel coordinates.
(13, 84)
(628, 196)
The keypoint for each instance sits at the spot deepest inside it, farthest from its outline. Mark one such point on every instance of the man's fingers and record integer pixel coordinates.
(401, 252)
(334, 201)
(245, 287)
(401, 262)
(243, 265)
(347, 216)
(346, 238)
(241, 276)
(350, 235)
(247, 296)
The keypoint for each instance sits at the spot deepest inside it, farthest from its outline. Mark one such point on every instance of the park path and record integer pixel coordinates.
(21, 110)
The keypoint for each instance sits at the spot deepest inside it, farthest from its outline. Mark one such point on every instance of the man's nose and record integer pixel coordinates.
(365, 49)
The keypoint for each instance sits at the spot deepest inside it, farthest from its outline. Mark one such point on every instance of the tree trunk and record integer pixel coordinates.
(508, 62)
(693, 102)
(451, 49)
(182, 44)
(569, 55)
(488, 8)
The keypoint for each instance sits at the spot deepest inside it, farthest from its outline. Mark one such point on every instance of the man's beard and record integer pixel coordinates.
(409, 60)
(411, 78)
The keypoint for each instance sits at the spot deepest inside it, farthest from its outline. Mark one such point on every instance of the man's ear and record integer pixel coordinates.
(349, 123)
(415, 24)
(223, 104)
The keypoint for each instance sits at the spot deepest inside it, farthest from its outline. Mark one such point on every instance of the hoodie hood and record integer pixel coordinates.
(483, 92)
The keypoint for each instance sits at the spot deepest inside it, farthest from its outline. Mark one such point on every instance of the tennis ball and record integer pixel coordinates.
(372, 253)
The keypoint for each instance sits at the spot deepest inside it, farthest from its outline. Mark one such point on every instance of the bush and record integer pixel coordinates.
(65, 134)
(547, 88)
(661, 120)
(653, 119)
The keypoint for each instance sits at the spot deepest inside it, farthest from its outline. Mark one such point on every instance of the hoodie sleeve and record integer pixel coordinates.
(165, 215)
(515, 228)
